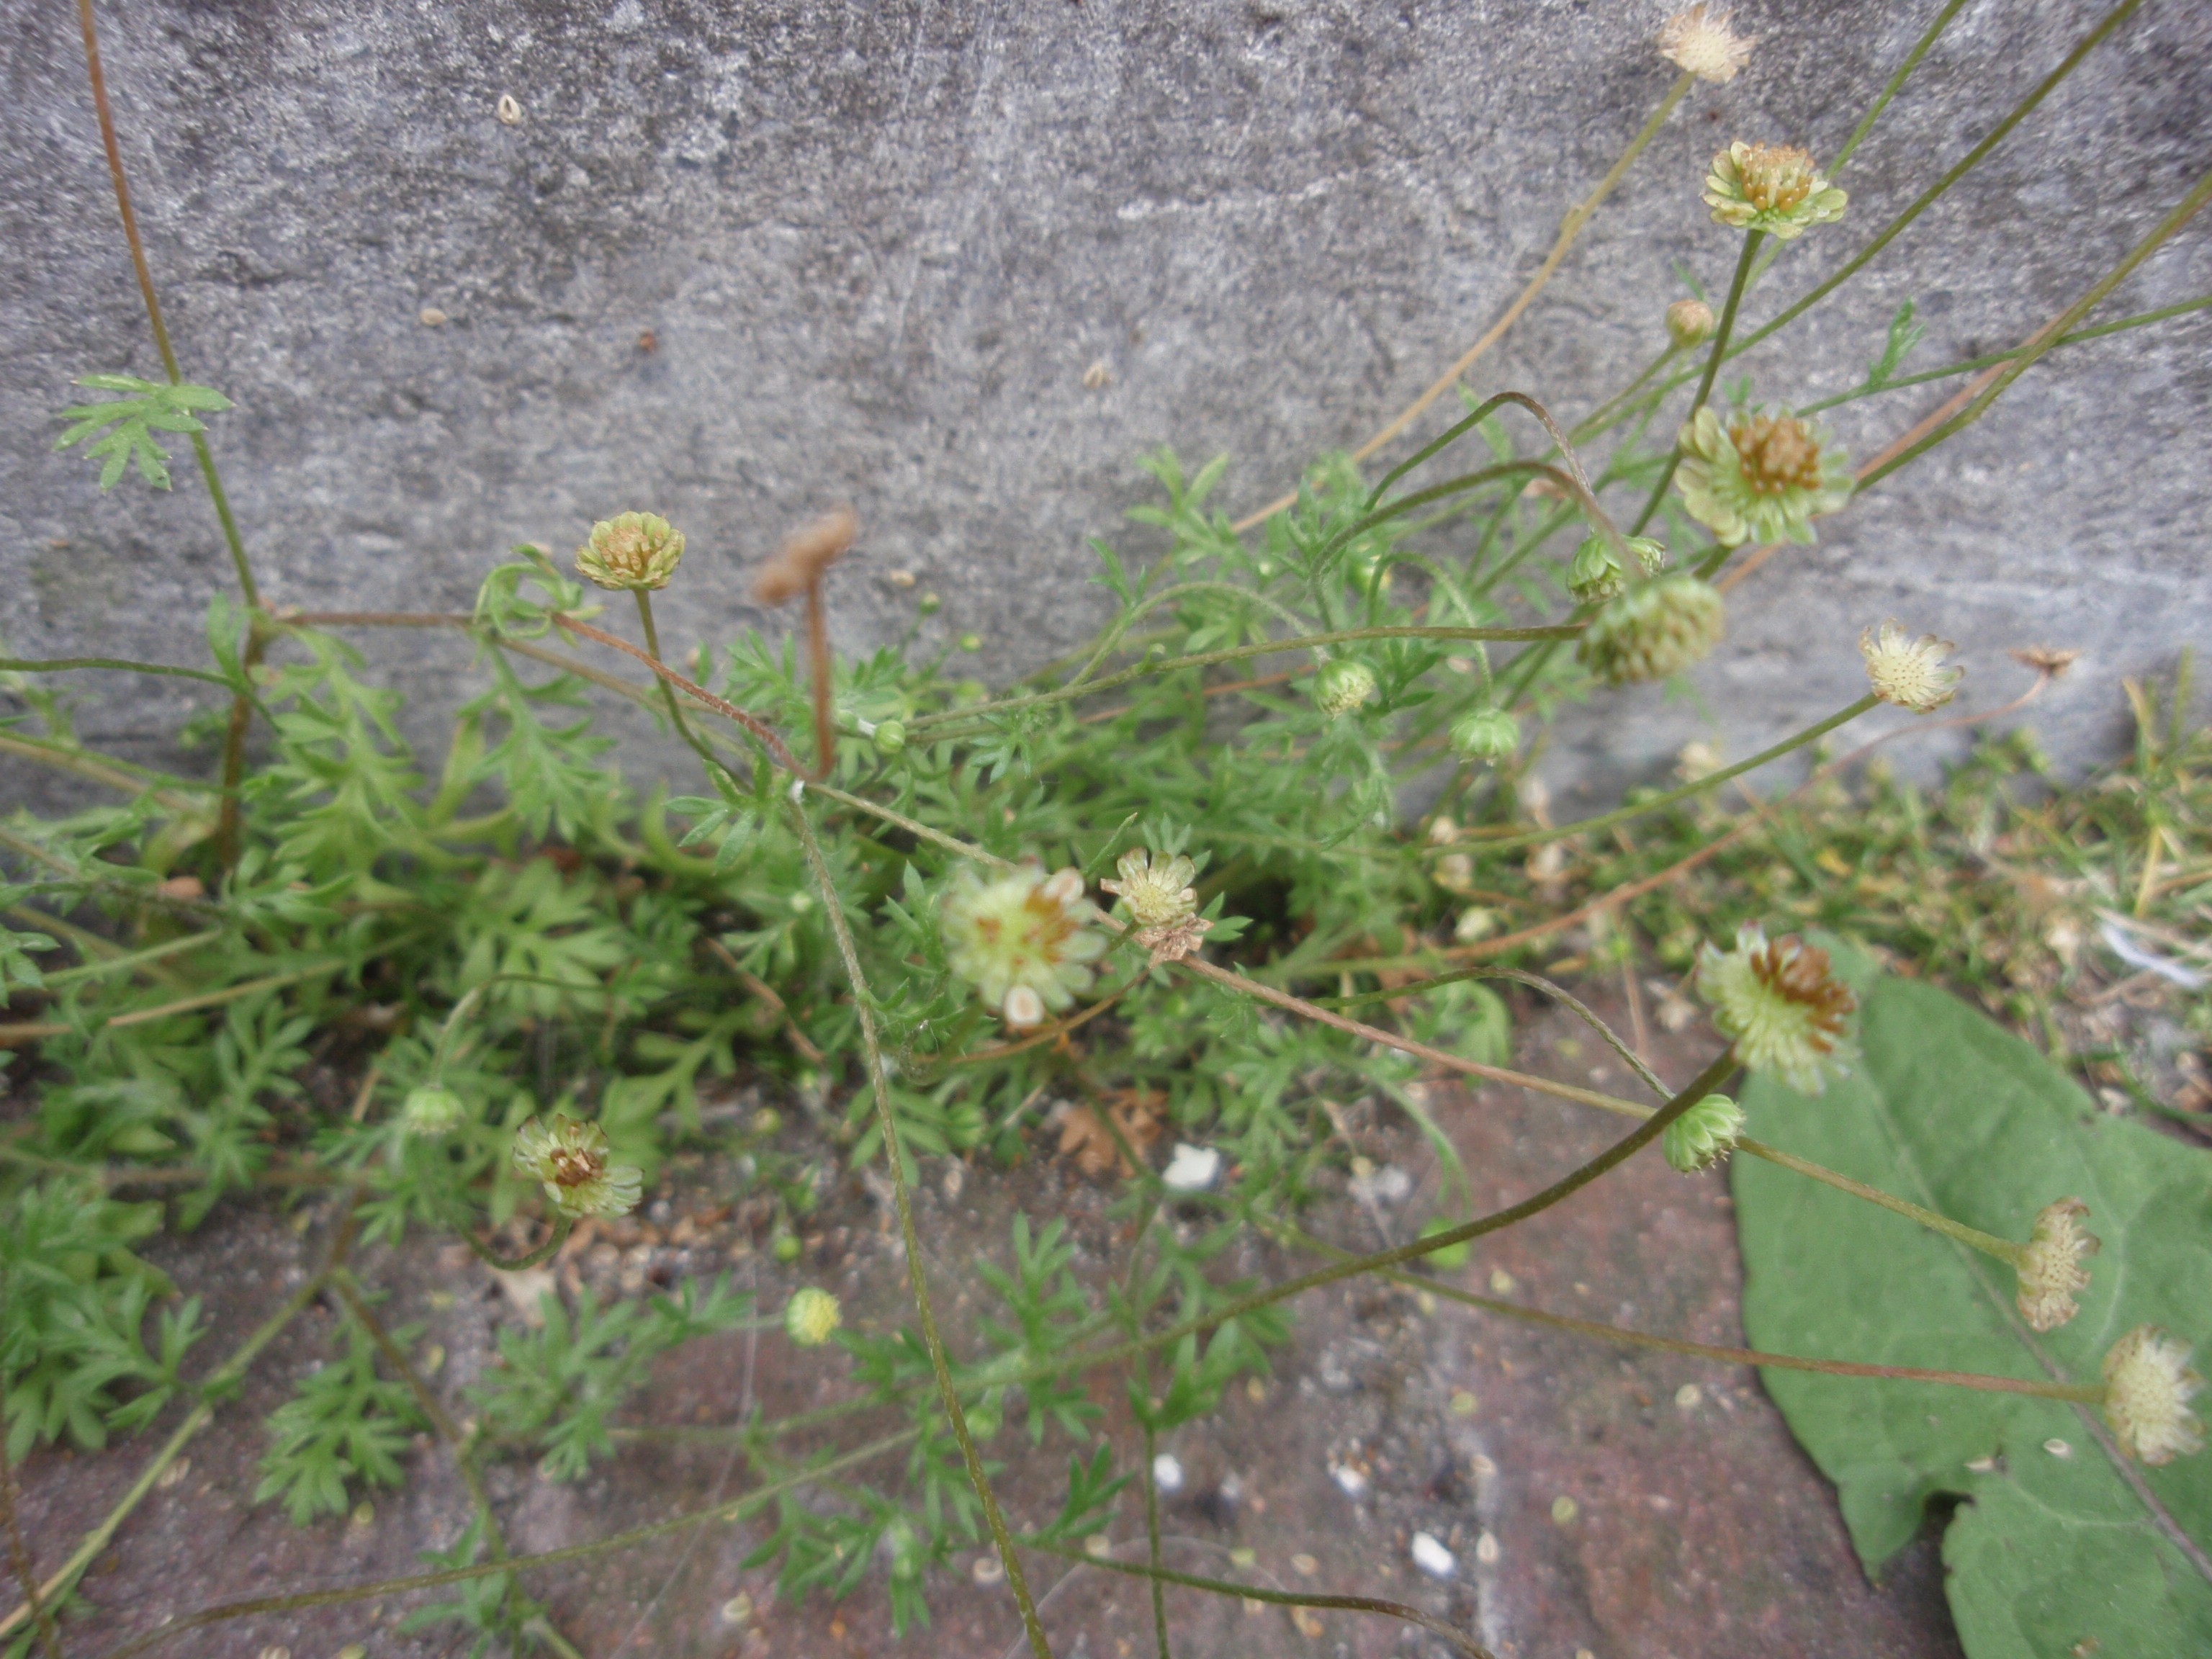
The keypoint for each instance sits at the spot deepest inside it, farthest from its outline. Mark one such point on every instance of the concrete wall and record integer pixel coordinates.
(876, 247)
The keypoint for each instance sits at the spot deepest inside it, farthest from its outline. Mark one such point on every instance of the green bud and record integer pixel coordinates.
(1486, 735)
(1654, 630)
(971, 642)
(1341, 686)
(431, 1111)
(891, 738)
(1703, 1135)
(1595, 575)
(930, 604)
(785, 1247)
(810, 1315)
(1689, 322)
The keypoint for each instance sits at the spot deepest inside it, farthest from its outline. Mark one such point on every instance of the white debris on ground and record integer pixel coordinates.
(1431, 1556)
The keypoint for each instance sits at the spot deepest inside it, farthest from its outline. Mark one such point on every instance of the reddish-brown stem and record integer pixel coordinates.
(697, 693)
(821, 668)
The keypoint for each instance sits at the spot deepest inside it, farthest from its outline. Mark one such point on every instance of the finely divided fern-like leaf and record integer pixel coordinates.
(131, 421)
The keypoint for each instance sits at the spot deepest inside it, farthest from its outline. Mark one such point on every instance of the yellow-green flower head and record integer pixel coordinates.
(1703, 1135)
(1342, 685)
(810, 1315)
(568, 1159)
(631, 550)
(1909, 672)
(1785, 1012)
(2147, 1386)
(1023, 939)
(1700, 40)
(1776, 188)
(1763, 475)
(1156, 887)
(1689, 322)
(1595, 575)
(431, 1111)
(1485, 734)
(1655, 629)
(2051, 1269)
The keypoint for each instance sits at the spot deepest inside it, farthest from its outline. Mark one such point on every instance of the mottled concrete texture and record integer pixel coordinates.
(876, 247)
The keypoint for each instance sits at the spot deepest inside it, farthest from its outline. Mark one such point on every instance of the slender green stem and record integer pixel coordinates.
(2003, 1250)
(217, 1384)
(2078, 1393)
(1660, 803)
(1920, 50)
(133, 959)
(554, 1241)
(735, 1509)
(667, 691)
(1160, 1575)
(1713, 360)
(896, 1155)
(2029, 355)
(146, 291)
(121, 665)
(1233, 654)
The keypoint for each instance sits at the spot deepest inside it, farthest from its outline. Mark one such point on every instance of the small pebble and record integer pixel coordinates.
(1431, 1556)
(739, 1609)
(1464, 1404)
(1245, 1558)
(1308, 1621)
(508, 111)
(353, 1651)
(987, 1570)
(1349, 1480)
(1501, 1282)
(431, 317)
(1486, 1550)
(1098, 1544)
(2058, 1448)
(1192, 1169)
(1689, 1396)
(1565, 1510)
(1305, 1565)
(1167, 1473)
(174, 1474)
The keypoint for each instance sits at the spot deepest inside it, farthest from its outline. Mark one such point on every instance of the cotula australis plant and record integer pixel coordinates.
(905, 872)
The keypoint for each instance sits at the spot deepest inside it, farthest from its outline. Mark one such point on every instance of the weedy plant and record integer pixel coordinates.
(916, 892)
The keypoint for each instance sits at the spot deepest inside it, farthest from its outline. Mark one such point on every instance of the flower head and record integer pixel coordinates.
(1700, 41)
(1703, 1135)
(1024, 933)
(1689, 322)
(1655, 629)
(568, 1159)
(1342, 685)
(1485, 734)
(2148, 1385)
(631, 550)
(1779, 1004)
(1909, 672)
(810, 1315)
(2051, 1270)
(432, 1111)
(1763, 476)
(1157, 889)
(1776, 188)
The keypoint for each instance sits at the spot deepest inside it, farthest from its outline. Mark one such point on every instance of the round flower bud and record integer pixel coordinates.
(1776, 188)
(785, 1247)
(568, 1159)
(930, 604)
(2148, 1385)
(1700, 40)
(890, 737)
(1022, 931)
(1763, 476)
(1909, 672)
(431, 1111)
(1655, 629)
(2051, 1268)
(1595, 575)
(810, 1315)
(1703, 1135)
(1689, 322)
(1778, 1003)
(1342, 685)
(1485, 734)
(631, 550)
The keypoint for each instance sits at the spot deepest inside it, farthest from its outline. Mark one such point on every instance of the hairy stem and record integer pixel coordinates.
(895, 1154)
(1713, 359)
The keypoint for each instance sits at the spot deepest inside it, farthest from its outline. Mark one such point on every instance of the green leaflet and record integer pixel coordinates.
(2052, 1554)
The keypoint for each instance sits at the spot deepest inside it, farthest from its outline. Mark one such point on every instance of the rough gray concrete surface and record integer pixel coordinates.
(876, 247)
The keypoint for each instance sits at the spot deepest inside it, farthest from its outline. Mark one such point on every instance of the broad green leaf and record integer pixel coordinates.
(2054, 1551)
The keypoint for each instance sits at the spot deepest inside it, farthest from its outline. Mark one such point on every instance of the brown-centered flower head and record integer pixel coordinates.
(570, 1160)
(1786, 1010)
